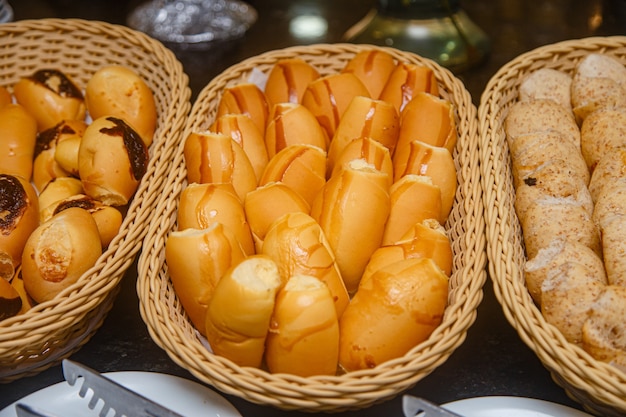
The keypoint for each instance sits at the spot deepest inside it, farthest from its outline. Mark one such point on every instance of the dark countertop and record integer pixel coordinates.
(492, 360)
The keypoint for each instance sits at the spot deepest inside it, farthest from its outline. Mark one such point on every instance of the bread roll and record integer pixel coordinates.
(610, 204)
(405, 81)
(112, 159)
(293, 124)
(328, 98)
(288, 79)
(244, 132)
(50, 96)
(547, 83)
(58, 252)
(66, 152)
(196, 260)
(391, 313)
(353, 207)
(602, 133)
(300, 167)
(216, 158)
(203, 204)
(373, 67)
(303, 338)
(298, 245)
(5, 96)
(610, 171)
(20, 216)
(245, 98)
(56, 190)
(10, 301)
(18, 130)
(27, 302)
(414, 198)
(365, 118)
(239, 313)
(613, 232)
(120, 92)
(369, 150)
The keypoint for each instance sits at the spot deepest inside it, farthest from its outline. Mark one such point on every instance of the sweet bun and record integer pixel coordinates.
(602, 133)
(120, 92)
(58, 189)
(50, 96)
(27, 302)
(20, 217)
(288, 79)
(112, 159)
(5, 96)
(367, 149)
(58, 252)
(373, 67)
(391, 313)
(292, 124)
(549, 84)
(239, 313)
(245, 98)
(18, 130)
(196, 260)
(68, 145)
(405, 81)
(303, 338)
(10, 301)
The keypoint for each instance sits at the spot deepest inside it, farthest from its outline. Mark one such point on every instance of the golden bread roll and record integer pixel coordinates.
(245, 98)
(367, 149)
(373, 67)
(46, 169)
(602, 133)
(203, 204)
(288, 79)
(549, 84)
(58, 252)
(328, 98)
(549, 258)
(112, 159)
(243, 131)
(365, 118)
(196, 260)
(405, 81)
(414, 198)
(27, 301)
(5, 96)
(431, 161)
(609, 171)
(66, 154)
(58, 189)
(10, 300)
(603, 334)
(303, 338)
(352, 209)
(120, 92)
(429, 119)
(567, 295)
(300, 167)
(266, 204)
(298, 245)
(292, 124)
(18, 130)
(613, 230)
(239, 313)
(50, 96)
(216, 158)
(391, 313)
(20, 217)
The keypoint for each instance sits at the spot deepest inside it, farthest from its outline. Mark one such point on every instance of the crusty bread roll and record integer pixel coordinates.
(373, 67)
(303, 338)
(611, 203)
(27, 302)
(58, 252)
(288, 79)
(10, 301)
(602, 133)
(50, 96)
(56, 190)
(405, 81)
(365, 118)
(328, 98)
(196, 260)
(112, 159)
(613, 230)
(300, 167)
(20, 216)
(292, 124)
(391, 313)
(18, 130)
(547, 83)
(353, 207)
(201, 205)
(120, 92)
(245, 132)
(239, 313)
(298, 245)
(608, 172)
(216, 158)
(245, 98)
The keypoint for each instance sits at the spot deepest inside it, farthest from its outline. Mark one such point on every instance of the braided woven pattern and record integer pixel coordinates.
(51, 331)
(600, 387)
(171, 329)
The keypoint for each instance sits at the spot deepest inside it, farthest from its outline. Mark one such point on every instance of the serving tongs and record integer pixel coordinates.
(411, 406)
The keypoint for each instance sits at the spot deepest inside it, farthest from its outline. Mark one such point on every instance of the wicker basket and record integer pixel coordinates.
(53, 330)
(599, 387)
(172, 330)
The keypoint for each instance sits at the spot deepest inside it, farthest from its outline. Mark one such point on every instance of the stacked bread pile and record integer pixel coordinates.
(70, 162)
(567, 137)
(310, 235)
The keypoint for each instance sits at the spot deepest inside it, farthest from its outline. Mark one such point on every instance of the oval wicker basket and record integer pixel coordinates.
(599, 387)
(51, 331)
(172, 330)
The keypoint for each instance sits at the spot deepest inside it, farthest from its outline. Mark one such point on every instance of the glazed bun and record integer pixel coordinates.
(292, 124)
(10, 301)
(18, 130)
(288, 79)
(56, 190)
(373, 67)
(405, 81)
(368, 150)
(245, 98)
(5, 96)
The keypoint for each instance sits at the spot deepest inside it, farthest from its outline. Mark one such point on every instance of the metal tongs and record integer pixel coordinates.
(411, 406)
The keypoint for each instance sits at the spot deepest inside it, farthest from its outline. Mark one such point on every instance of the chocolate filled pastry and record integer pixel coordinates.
(245, 98)
(373, 67)
(18, 130)
(405, 81)
(293, 124)
(287, 81)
